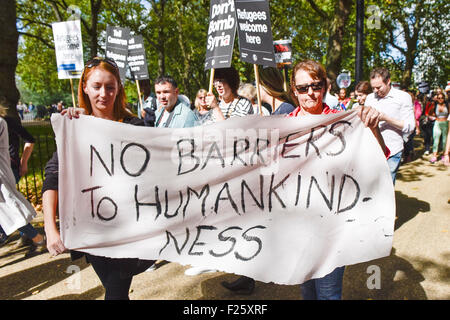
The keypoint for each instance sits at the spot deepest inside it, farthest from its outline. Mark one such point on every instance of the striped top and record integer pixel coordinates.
(239, 107)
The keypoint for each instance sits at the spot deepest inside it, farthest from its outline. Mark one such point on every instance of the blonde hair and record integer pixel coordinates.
(197, 102)
(247, 90)
(120, 110)
(272, 81)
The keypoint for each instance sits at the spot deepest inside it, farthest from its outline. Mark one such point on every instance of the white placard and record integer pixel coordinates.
(68, 49)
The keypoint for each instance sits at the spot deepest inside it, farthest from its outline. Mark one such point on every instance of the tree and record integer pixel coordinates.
(9, 95)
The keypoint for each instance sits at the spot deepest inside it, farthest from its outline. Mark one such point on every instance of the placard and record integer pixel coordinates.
(136, 57)
(255, 32)
(68, 49)
(221, 33)
(117, 47)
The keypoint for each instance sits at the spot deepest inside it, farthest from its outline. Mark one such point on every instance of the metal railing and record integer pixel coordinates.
(31, 184)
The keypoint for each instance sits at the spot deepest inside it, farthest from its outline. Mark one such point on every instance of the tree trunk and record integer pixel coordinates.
(95, 9)
(9, 95)
(335, 40)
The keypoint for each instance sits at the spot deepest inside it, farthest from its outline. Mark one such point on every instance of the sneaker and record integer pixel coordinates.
(194, 271)
(433, 160)
(37, 248)
(427, 153)
(24, 241)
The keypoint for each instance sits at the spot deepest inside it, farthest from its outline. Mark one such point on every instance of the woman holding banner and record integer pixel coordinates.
(100, 94)
(308, 83)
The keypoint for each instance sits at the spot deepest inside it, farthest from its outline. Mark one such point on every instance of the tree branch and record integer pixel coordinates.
(319, 11)
(48, 44)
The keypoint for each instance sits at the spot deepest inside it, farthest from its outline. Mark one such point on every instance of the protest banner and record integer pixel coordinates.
(221, 33)
(69, 51)
(255, 36)
(117, 47)
(137, 61)
(286, 201)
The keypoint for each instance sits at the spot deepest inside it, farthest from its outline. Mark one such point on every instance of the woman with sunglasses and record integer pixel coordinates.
(308, 81)
(100, 94)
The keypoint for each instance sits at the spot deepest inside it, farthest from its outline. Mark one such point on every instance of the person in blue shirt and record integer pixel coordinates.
(173, 112)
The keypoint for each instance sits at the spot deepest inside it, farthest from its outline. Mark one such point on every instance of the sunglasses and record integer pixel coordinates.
(96, 61)
(304, 89)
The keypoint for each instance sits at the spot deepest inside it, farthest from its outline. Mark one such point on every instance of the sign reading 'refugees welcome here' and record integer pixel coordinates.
(278, 202)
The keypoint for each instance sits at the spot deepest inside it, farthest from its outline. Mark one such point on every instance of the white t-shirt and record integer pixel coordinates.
(396, 104)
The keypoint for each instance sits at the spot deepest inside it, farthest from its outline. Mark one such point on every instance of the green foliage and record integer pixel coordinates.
(174, 34)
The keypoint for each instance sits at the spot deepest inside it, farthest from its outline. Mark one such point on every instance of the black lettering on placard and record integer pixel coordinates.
(229, 198)
(190, 155)
(214, 147)
(196, 243)
(169, 236)
(259, 203)
(299, 181)
(236, 153)
(312, 138)
(221, 237)
(98, 209)
(329, 202)
(340, 135)
(157, 203)
(341, 188)
(110, 171)
(289, 145)
(272, 191)
(250, 238)
(92, 197)
(144, 164)
(257, 150)
(166, 214)
(205, 189)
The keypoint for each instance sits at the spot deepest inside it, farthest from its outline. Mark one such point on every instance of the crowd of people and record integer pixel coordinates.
(393, 116)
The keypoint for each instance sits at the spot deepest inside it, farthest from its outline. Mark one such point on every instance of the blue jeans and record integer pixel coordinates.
(325, 288)
(394, 163)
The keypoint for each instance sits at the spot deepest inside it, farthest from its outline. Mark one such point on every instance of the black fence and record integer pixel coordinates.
(31, 184)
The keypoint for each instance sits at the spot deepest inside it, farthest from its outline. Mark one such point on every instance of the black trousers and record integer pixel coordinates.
(116, 274)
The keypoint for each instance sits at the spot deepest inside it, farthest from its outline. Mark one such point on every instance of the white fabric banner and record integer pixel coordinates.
(266, 197)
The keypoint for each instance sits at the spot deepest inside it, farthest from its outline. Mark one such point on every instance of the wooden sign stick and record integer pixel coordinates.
(255, 66)
(73, 95)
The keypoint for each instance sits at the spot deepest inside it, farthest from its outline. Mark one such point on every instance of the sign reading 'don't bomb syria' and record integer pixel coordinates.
(221, 33)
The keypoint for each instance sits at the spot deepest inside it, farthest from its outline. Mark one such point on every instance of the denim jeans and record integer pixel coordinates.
(328, 287)
(394, 163)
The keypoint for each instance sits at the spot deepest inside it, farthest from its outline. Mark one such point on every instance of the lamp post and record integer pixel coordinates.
(359, 40)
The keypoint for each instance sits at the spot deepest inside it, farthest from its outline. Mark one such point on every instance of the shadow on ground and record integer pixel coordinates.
(408, 208)
(389, 278)
(24, 283)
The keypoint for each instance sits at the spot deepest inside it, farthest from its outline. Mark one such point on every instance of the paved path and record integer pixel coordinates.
(418, 267)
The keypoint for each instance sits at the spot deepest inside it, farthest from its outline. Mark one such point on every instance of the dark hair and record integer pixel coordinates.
(230, 76)
(382, 72)
(364, 87)
(272, 80)
(164, 79)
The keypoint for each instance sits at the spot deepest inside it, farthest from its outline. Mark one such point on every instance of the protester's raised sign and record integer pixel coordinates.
(68, 49)
(283, 51)
(136, 57)
(117, 47)
(221, 33)
(255, 32)
(288, 200)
